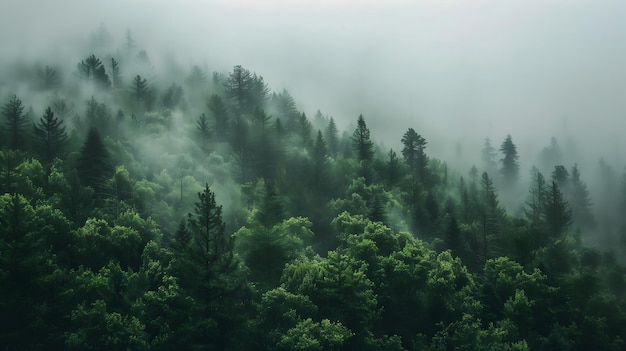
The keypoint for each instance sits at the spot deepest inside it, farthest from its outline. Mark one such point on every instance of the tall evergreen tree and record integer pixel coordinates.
(16, 122)
(238, 89)
(332, 137)
(204, 130)
(48, 77)
(535, 206)
(492, 215)
(94, 164)
(116, 78)
(510, 165)
(92, 70)
(270, 211)
(361, 141)
(304, 131)
(139, 91)
(50, 136)
(414, 154)
(488, 156)
(320, 161)
(220, 114)
(580, 201)
(557, 212)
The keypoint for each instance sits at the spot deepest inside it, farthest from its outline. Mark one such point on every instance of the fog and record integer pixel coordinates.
(456, 71)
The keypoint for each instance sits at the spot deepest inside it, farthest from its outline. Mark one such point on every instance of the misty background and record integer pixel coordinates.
(456, 71)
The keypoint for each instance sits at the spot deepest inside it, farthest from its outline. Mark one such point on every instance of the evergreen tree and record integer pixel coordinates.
(204, 130)
(320, 161)
(116, 78)
(332, 138)
(304, 131)
(557, 212)
(361, 141)
(92, 70)
(139, 91)
(510, 165)
(580, 202)
(492, 215)
(15, 122)
(196, 77)
(238, 89)
(535, 207)
(220, 114)
(94, 164)
(270, 211)
(489, 156)
(414, 154)
(50, 136)
(393, 169)
(560, 176)
(48, 77)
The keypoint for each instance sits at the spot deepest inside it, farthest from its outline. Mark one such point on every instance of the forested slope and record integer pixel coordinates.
(183, 209)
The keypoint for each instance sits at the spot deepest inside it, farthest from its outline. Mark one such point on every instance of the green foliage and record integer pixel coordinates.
(15, 122)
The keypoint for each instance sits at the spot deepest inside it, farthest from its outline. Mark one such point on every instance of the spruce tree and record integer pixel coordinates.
(332, 138)
(361, 141)
(16, 122)
(414, 154)
(94, 164)
(50, 136)
(220, 114)
(510, 165)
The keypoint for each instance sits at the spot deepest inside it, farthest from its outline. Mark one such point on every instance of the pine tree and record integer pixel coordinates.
(361, 141)
(94, 164)
(220, 114)
(116, 79)
(16, 122)
(238, 90)
(557, 212)
(492, 215)
(92, 70)
(393, 169)
(50, 135)
(48, 77)
(332, 137)
(304, 131)
(139, 90)
(510, 165)
(414, 154)
(204, 130)
(489, 156)
(580, 201)
(270, 211)
(320, 161)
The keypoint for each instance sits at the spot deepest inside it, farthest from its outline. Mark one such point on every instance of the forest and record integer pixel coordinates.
(169, 207)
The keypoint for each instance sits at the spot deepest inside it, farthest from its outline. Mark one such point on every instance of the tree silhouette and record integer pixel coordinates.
(94, 164)
(15, 122)
(414, 154)
(361, 141)
(50, 136)
(510, 165)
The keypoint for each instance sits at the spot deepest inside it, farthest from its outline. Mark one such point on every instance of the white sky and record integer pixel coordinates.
(451, 69)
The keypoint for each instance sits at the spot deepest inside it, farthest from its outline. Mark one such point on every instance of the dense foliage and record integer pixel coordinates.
(210, 213)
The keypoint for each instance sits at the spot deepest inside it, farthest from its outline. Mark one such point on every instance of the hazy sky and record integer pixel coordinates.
(450, 69)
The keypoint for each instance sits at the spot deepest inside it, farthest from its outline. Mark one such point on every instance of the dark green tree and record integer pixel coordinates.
(320, 162)
(16, 122)
(414, 154)
(50, 137)
(211, 273)
(491, 216)
(270, 211)
(557, 212)
(116, 78)
(510, 164)
(92, 70)
(220, 114)
(173, 97)
(304, 131)
(238, 89)
(139, 91)
(580, 201)
(393, 170)
(361, 141)
(204, 130)
(94, 163)
(332, 137)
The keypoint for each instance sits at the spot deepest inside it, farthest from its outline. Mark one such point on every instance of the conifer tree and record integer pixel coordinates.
(580, 201)
(116, 78)
(220, 114)
(361, 141)
(557, 212)
(332, 137)
(489, 156)
(50, 135)
(414, 154)
(320, 161)
(510, 165)
(94, 164)
(15, 121)
(204, 130)
(139, 90)
(48, 77)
